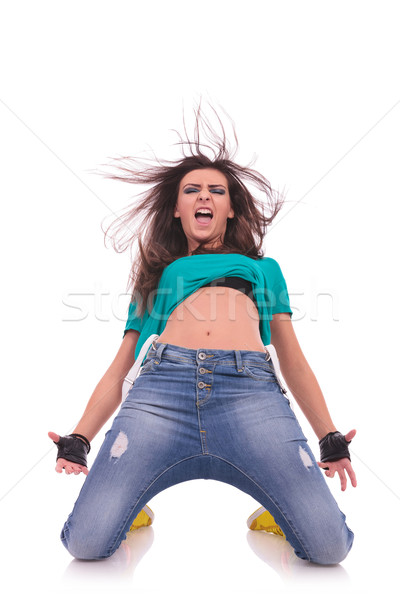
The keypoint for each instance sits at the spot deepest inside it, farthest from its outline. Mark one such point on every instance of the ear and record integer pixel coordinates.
(176, 212)
(231, 214)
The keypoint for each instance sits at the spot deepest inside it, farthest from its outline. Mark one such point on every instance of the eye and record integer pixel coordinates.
(191, 190)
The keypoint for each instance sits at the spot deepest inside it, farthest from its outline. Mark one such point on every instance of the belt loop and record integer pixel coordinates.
(159, 352)
(239, 364)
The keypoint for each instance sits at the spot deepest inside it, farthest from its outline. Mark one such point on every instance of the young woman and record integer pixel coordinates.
(208, 402)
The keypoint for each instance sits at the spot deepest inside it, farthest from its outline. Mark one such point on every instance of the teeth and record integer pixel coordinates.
(204, 211)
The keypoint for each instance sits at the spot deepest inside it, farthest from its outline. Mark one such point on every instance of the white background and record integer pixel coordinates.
(313, 89)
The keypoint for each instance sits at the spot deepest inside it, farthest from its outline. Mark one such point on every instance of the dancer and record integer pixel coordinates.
(208, 402)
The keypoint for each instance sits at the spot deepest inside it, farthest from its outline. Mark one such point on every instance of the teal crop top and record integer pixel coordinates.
(185, 275)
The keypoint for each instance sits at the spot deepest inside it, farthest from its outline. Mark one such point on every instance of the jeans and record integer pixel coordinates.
(207, 414)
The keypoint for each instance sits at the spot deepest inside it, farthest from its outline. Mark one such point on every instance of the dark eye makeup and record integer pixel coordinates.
(217, 191)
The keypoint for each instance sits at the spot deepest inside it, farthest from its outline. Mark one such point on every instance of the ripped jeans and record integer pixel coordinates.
(207, 414)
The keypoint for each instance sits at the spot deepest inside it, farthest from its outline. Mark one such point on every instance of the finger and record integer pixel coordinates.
(343, 479)
(352, 475)
(60, 465)
(349, 436)
(329, 471)
(71, 467)
(80, 469)
(330, 468)
(53, 436)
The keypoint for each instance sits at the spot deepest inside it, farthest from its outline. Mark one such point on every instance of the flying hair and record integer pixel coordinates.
(148, 224)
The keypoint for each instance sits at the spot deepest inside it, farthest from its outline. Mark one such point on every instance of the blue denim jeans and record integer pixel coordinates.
(207, 414)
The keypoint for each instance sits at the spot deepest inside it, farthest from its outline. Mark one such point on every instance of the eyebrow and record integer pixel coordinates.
(210, 186)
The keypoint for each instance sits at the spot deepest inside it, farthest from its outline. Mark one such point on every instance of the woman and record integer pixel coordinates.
(208, 402)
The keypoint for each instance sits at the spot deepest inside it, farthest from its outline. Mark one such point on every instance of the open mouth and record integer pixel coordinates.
(203, 216)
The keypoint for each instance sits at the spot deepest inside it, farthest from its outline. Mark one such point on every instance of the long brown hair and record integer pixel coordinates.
(150, 220)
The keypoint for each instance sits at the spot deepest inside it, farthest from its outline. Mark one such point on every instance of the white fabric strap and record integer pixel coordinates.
(134, 371)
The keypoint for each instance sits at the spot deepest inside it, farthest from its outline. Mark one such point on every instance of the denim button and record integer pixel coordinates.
(202, 370)
(202, 355)
(201, 384)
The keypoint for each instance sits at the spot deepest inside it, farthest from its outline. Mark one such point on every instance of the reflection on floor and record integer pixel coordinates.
(278, 554)
(119, 567)
(274, 550)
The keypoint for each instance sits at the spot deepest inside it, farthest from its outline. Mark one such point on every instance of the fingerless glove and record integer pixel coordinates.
(74, 447)
(334, 447)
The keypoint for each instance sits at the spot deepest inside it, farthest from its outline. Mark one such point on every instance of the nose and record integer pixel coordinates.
(204, 194)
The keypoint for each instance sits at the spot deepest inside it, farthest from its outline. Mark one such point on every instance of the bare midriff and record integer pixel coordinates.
(215, 317)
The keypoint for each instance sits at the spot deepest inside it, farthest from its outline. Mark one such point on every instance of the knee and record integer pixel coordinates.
(333, 556)
(84, 547)
(334, 550)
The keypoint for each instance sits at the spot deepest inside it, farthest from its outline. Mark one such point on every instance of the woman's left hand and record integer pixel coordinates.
(341, 466)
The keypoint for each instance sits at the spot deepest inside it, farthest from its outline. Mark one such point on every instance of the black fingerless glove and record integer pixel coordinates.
(74, 447)
(334, 447)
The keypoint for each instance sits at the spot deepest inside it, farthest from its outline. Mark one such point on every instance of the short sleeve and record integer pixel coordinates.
(133, 321)
(278, 293)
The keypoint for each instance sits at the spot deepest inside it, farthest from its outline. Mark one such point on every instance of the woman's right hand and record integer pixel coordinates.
(67, 465)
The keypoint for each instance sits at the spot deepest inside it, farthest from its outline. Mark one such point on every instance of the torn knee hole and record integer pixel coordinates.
(305, 457)
(119, 446)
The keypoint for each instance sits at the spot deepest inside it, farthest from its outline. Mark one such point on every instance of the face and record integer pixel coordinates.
(200, 190)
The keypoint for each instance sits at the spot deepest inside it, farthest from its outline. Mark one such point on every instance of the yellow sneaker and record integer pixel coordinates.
(262, 520)
(144, 519)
